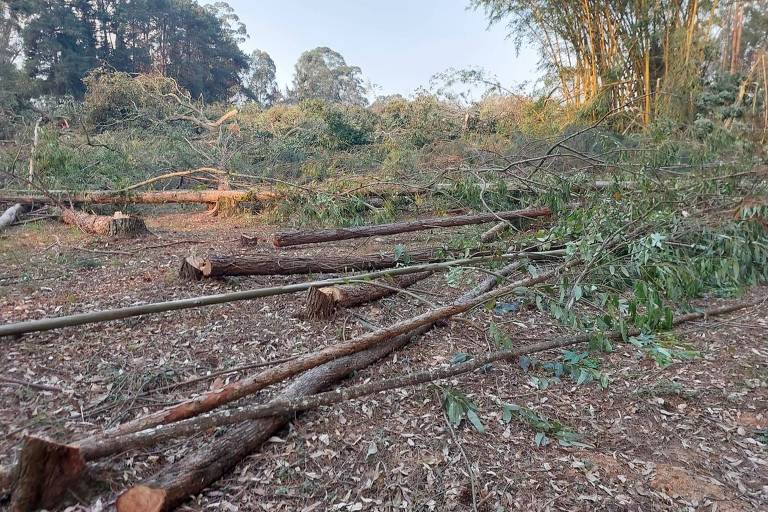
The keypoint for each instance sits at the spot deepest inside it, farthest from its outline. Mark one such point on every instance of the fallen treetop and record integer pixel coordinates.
(288, 238)
(45, 324)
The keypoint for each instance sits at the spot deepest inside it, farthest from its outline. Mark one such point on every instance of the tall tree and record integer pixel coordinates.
(59, 43)
(613, 52)
(196, 45)
(323, 73)
(260, 81)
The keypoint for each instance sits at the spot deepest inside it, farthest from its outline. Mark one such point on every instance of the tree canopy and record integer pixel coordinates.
(197, 46)
(259, 81)
(322, 73)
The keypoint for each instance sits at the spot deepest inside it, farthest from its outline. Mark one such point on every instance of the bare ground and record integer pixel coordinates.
(687, 436)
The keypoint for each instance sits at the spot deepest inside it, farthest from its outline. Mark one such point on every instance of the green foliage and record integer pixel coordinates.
(322, 73)
(458, 406)
(197, 46)
(579, 366)
(664, 348)
(544, 427)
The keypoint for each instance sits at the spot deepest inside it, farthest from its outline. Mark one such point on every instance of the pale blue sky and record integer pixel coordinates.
(398, 44)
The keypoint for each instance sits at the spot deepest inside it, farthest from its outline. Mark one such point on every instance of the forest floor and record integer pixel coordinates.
(686, 436)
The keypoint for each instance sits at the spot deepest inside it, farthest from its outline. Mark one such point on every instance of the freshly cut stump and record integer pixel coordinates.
(119, 224)
(326, 301)
(62, 466)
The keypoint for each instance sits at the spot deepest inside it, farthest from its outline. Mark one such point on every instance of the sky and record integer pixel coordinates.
(398, 44)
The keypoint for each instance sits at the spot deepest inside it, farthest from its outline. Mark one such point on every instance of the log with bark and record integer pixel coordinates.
(196, 268)
(288, 238)
(153, 197)
(10, 215)
(326, 301)
(119, 224)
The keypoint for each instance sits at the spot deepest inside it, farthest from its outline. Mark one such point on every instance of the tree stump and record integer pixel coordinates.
(117, 225)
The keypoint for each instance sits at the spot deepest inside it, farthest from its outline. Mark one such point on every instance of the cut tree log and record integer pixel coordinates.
(10, 215)
(326, 301)
(46, 324)
(196, 268)
(118, 224)
(494, 232)
(154, 197)
(288, 238)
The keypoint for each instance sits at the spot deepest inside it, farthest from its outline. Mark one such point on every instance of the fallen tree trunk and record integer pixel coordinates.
(324, 302)
(219, 266)
(118, 224)
(10, 215)
(279, 406)
(288, 238)
(153, 197)
(46, 324)
(494, 232)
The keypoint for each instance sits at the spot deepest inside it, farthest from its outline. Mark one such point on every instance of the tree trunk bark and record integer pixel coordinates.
(324, 302)
(117, 225)
(288, 238)
(154, 197)
(218, 266)
(10, 215)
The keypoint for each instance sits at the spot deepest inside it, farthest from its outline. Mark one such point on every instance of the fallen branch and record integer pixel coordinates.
(288, 238)
(218, 266)
(324, 302)
(10, 215)
(115, 225)
(281, 406)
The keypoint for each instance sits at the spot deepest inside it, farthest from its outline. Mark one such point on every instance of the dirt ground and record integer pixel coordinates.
(689, 436)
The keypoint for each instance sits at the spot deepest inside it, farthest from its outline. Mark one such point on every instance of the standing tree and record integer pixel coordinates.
(196, 45)
(324, 74)
(259, 81)
(608, 53)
